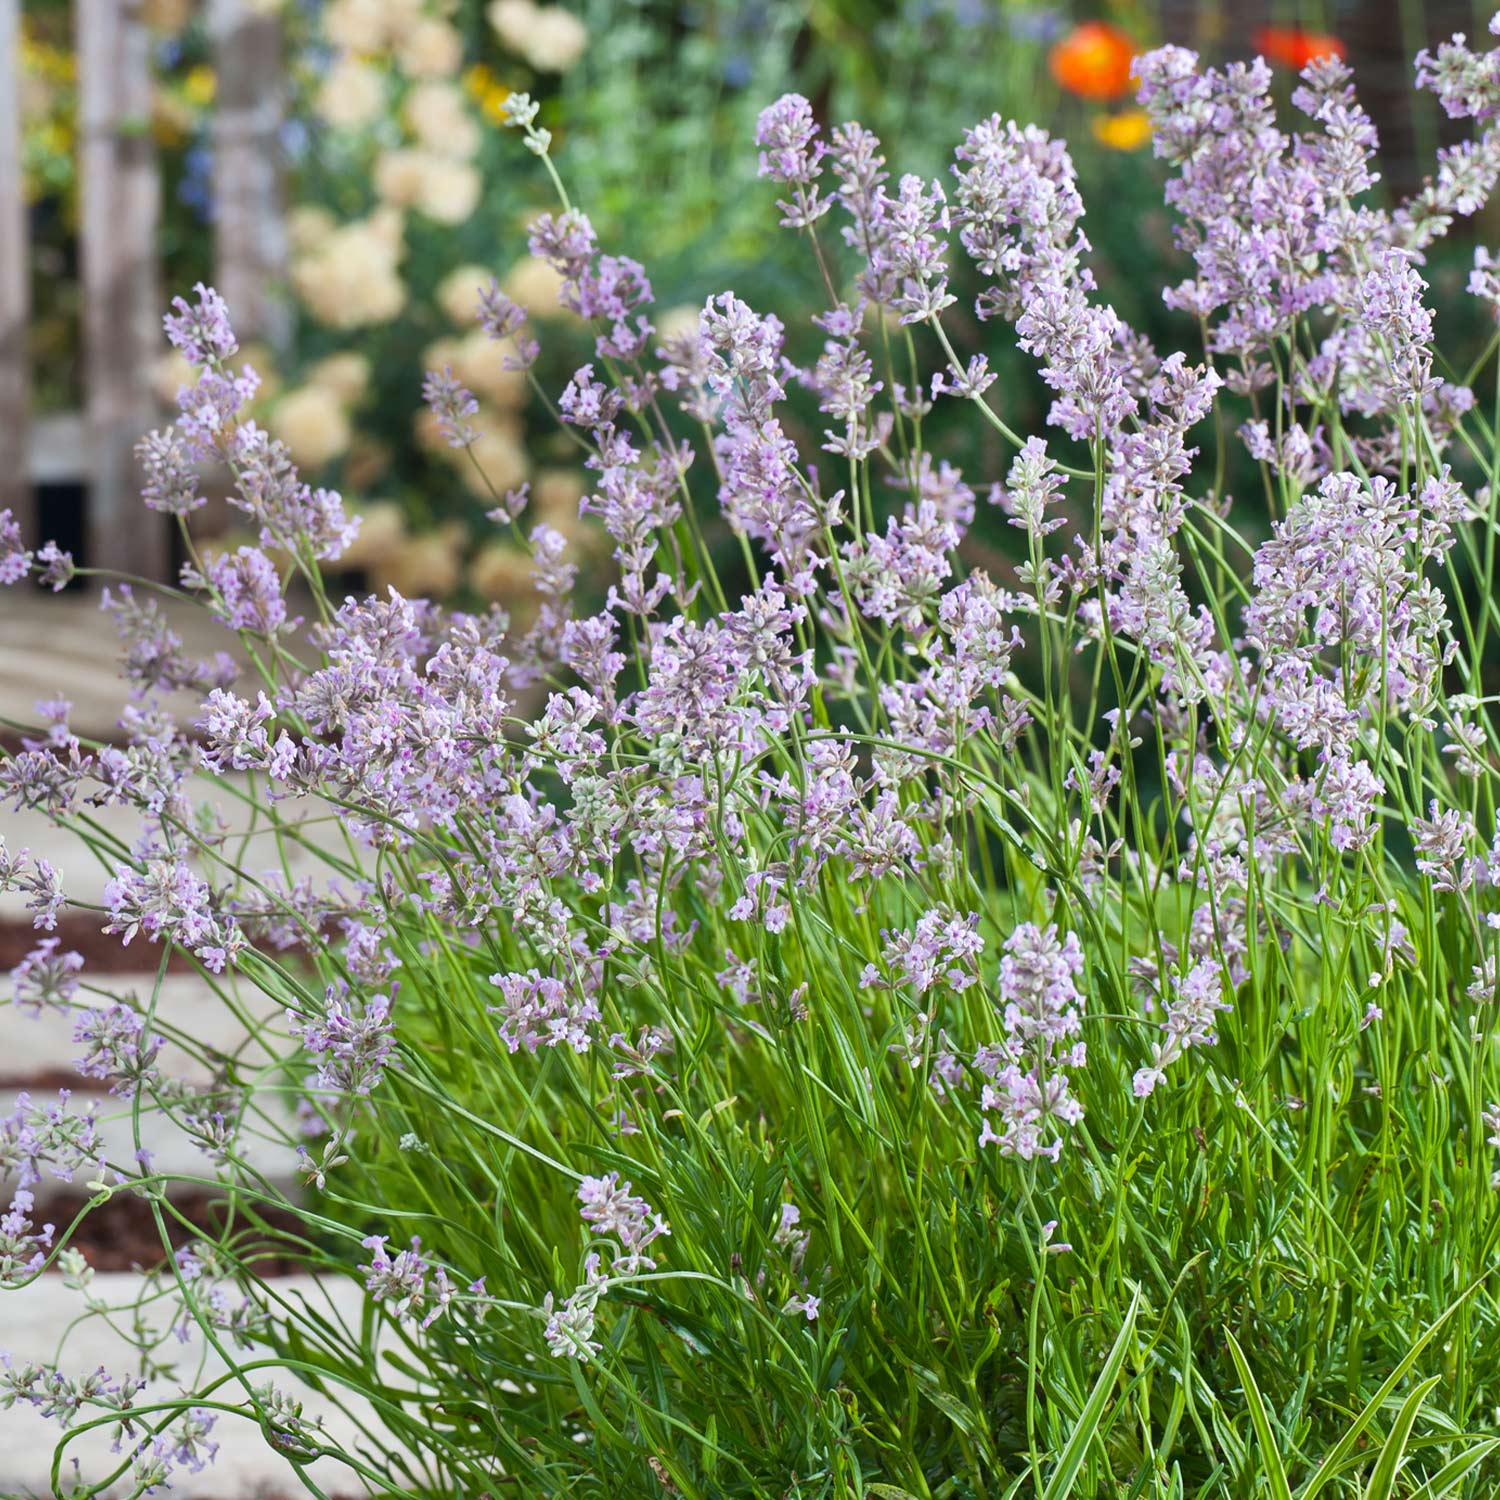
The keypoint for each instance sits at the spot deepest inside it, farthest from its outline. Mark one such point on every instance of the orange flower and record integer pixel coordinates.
(1093, 61)
(1293, 47)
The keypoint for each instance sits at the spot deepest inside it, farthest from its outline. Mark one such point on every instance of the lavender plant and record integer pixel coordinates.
(882, 1026)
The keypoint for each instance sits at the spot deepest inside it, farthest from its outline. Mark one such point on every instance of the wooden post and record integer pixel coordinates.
(15, 289)
(120, 210)
(250, 243)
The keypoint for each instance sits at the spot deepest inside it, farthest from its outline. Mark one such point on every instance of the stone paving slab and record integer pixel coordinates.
(246, 1467)
(85, 875)
(43, 1046)
(63, 645)
(37, 1055)
(173, 1151)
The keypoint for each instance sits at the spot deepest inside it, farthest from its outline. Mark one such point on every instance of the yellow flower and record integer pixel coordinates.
(171, 118)
(1128, 130)
(199, 85)
(44, 60)
(54, 137)
(488, 92)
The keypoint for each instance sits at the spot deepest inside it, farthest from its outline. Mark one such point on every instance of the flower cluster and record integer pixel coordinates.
(1028, 1085)
(610, 1210)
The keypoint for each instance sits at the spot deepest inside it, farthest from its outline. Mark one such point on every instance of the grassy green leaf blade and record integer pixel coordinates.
(1336, 1455)
(1275, 1471)
(1456, 1469)
(1061, 1483)
(1394, 1448)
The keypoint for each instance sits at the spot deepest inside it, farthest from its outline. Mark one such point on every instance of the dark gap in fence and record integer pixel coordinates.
(61, 511)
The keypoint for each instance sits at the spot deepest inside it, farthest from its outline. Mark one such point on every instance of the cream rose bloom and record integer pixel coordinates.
(441, 354)
(550, 38)
(438, 116)
(401, 16)
(447, 191)
(260, 358)
(424, 426)
(556, 40)
(430, 49)
(170, 372)
(499, 456)
(388, 227)
(313, 425)
(459, 292)
(479, 361)
(533, 285)
(676, 321)
(429, 565)
(556, 493)
(346, 375)
(450, 191)
(350, 279)
(352, 94)
(501, 573)
(356, 25)
(307, 226)
(382, 531)
(399, 174)
(509, 20)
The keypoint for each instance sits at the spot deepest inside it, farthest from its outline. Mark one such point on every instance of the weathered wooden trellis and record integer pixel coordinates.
(119, 217)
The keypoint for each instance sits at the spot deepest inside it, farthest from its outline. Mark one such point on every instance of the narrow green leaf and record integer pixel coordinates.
(1457, 1468)
(1333, 1459)
(954, 1410)
(1394, 1448)
(1068, 1465)
(1265, 1436)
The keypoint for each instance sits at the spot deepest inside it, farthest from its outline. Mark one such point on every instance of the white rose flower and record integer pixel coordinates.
(313, 425)
(352, 94)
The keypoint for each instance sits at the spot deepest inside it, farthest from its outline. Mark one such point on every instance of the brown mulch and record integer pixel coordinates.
(103, 952)
(50, 1080)
(121, 1234)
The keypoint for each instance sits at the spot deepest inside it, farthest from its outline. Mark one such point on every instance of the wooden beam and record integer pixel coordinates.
(119, 216)
(250, 241)
(15, 285)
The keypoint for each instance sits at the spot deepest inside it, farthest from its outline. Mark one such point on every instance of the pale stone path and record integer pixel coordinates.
(34, 1046)
(42, 1048)
(32, 1319)
(319, 833)
(246, 1468)
(65, 647)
